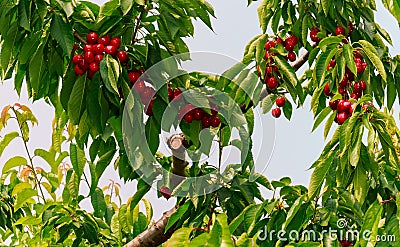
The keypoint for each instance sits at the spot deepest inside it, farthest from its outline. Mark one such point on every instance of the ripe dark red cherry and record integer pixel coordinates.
(270, 44)
(89, 57)
(83, 64)
(188, 118)
(313, 34)
(344, 81)
(122, 56)
(215, 121)
(343, 106)
(110, 49)
(149, 109)
(140, 87)
(165, 192)
(94, 67)
(354, 96)
(280, 101)
(105, 40)
(92, 37)
(291, 56)
(289, 46)
(115, 42)
(77, 58)
(272, 83)
(363, 85)
(333, 104)
(88, 47)
(327, 90)
(276, 112)
(342, 117)
(206, 122)
(340, 31)
(177, 94)
(98, 58)
(98, 49)
(170, 93)
(78, 70)
(292, 39)
(198, 114)
(357, 87)
(133, 76)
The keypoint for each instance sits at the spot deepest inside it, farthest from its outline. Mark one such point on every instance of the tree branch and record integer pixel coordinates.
(154, 235)
(76, 35)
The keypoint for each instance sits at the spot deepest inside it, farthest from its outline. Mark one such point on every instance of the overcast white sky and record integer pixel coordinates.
(295, 148)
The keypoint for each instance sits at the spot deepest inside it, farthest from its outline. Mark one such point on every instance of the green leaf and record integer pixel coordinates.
(179, 238)
(361, 184)
(62, 32)
(328, 124)
(139, 195)
(24, 14)
(98, 203)
(287, 109)
(76, 102)
(373, 56)
(319, 174)
(294, 209)
(394, 7)
(268, 102)
(348, 56)
(152, 130)
(328, 41)
(14, 162)
(222, 219)
(356, 147)
(177, 215)
(103, 162)
(265, 12)
(371, 223)
(321, 116)
(110, 71)
(391, 92)
(326, 5)
(6, 140)
(286, 70)
(78, 159)
(25, 196)
(126, 5)
(90, 233)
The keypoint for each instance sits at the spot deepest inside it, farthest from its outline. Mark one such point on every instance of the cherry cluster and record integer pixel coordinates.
(338, 31)
(272, 75)
(147, 94)
(345, 243)
(190, 113)
(94, 51)
(280, 102)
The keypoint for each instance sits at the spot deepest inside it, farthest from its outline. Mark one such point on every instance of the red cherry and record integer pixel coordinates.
(280, 101)
(77, 58)
(289, 46)
(354, 96)
(343, 106)
(147, 94)
(133, 76)
(363, 85)
(165, 192)
(279, 40)
(74, 48)
(92, 37)
(105, 40)
(341, 117)
(268, 70)
(177, 94)
(340, 31)
(110, 49)
(313, 34)
(89, 57)
(291, 56)
(142, 70)
(215, 121)
(272, 83)
(98, 58)
(270, 44)
(327, 90)
(83, 64)
(198, 114)
(149, 109)
(122, 56)
(276, 112)
(170, 94)
(360, 68)
(78, 70)
(115, 42)
(140, 87)
(342, 90)
(188, 118)
(343, 82)
(206, 122)
(292, 39)
(94, 67)
(357, 87)
(98, 49)
(333, 104)
(88, 47)
(357, 54)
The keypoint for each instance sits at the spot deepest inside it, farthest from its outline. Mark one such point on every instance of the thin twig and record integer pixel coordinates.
(76, 35)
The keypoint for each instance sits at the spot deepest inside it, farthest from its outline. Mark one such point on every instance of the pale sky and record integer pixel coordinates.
(296, 148)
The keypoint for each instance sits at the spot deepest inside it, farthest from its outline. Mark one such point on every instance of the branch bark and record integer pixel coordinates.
(156, 235)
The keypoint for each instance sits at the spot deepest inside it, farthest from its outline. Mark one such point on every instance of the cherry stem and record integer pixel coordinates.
(137, 26)
(76, 35)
